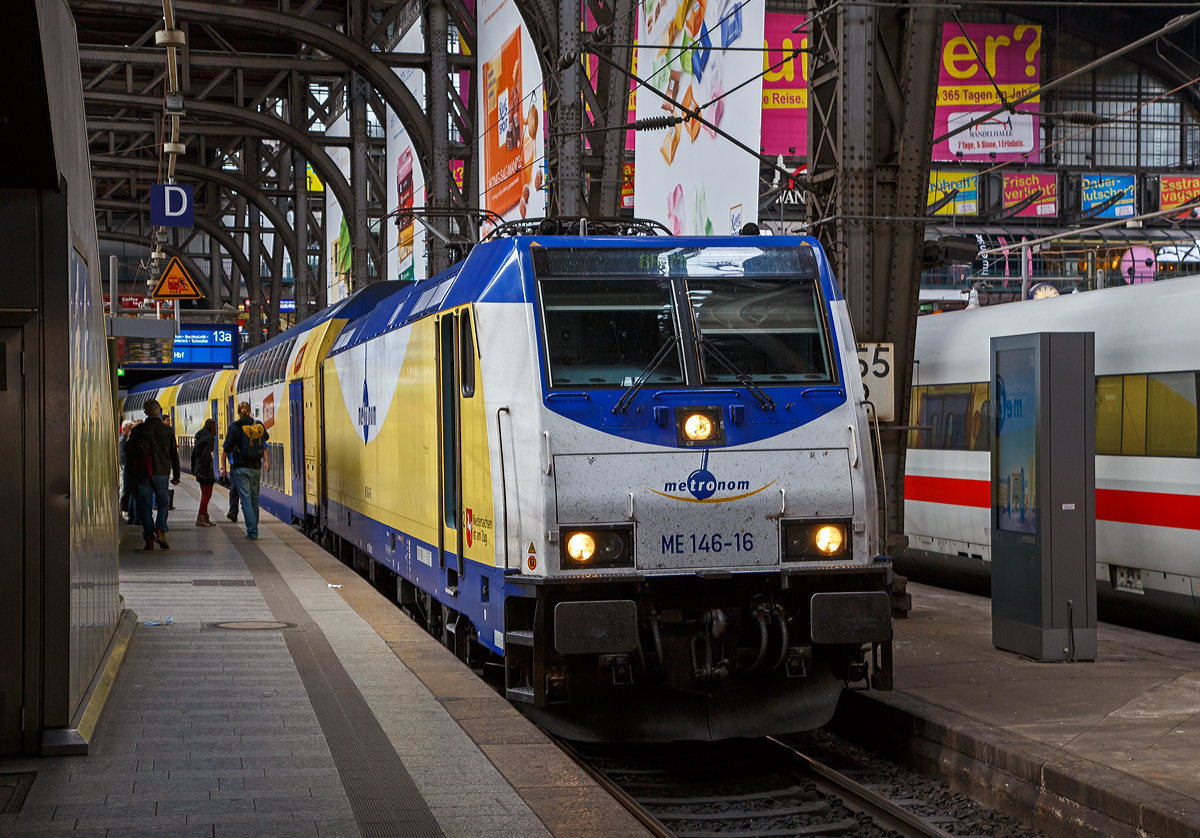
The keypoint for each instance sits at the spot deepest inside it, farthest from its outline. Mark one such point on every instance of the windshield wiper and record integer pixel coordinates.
(645, 375)
(763, 399)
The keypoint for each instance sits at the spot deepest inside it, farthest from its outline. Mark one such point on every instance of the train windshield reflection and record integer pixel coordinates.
(769, 329)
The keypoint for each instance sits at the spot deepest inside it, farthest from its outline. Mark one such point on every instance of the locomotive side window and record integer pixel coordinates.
(605, 332)
(768, 329)
(466, 355)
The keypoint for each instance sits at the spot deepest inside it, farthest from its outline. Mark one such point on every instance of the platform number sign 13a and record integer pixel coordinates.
(879, 378)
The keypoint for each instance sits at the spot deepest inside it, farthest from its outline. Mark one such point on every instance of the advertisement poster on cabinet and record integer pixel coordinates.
(1177, 190)
(511, 100)
(688, 176)
(973, 57)
(403, 235)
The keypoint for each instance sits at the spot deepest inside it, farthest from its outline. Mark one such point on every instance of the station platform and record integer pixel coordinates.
(1110, 747)
(270, 691)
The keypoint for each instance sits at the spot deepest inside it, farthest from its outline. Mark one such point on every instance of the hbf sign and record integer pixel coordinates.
(171, 205)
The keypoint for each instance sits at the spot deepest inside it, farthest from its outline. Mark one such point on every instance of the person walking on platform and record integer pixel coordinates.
(202, 468)
(153, 459)
(127, 509)
(245, 444)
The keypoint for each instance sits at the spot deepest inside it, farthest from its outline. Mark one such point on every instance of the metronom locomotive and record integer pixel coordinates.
(631, 476)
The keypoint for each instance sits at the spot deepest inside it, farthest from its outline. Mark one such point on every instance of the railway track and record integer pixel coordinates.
(746, 789)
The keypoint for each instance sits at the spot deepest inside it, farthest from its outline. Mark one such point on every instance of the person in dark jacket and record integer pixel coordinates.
(152, 458)
(202, 468)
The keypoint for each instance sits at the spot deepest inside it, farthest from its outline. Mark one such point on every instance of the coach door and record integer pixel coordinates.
(450, 444)
(296, 427)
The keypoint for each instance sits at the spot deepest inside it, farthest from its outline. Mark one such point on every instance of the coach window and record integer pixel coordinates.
(1133, 415)
(1108, 414)
(1171, 415)
(466, 339)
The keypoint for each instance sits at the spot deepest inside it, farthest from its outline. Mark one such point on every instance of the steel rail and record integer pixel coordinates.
(859, 798)
(653, 825)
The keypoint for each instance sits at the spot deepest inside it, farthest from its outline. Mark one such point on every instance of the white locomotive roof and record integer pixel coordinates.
(1152, 327)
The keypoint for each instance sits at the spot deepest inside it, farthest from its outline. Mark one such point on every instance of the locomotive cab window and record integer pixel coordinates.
(769, 329)
(605, 332)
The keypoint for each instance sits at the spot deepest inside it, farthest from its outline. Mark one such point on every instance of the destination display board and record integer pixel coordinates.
(201, 347)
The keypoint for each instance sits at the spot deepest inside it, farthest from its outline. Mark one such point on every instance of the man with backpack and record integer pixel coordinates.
(152, 464)
(245, 445)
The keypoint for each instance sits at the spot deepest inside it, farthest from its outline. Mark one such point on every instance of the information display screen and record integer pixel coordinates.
(201, 347)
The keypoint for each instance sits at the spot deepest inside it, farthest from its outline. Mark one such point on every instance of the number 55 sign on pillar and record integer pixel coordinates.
(879, 379)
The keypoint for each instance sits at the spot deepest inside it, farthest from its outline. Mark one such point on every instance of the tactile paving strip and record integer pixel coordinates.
(383, 796)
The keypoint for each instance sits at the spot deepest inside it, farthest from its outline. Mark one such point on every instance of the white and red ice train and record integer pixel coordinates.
(1147, 469)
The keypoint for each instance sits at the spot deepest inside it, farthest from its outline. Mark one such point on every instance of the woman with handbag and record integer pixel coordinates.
(202, 468)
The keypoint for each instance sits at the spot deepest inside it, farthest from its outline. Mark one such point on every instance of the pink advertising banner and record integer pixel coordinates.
(1021, 186)
(1011, 54)
(784, 88)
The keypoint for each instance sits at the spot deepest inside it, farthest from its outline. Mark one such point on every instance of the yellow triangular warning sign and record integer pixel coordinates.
(531, 550)
(175, 284)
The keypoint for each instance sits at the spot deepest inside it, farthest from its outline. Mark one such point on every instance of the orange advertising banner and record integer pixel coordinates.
(504, 162)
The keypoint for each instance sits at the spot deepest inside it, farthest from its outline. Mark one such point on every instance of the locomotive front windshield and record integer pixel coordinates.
(603, 332)
(698, 315)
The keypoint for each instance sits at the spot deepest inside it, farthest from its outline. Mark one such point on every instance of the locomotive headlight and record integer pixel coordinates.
(581, 547)
(809, 540)
(599, 546)
(828, 539)
(698, 427)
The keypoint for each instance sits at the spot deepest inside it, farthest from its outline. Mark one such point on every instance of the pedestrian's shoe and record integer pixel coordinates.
(161, 537)
(200, 521)
(231, 515)
(149, 545)
(208, 521)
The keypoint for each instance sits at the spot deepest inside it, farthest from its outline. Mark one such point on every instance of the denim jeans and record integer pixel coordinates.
(245, 480)
(149, 491)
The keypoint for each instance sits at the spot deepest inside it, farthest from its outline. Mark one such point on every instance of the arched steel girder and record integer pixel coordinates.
(257, 197)
(326, 169)
(216, 231)
(360, 58)
(148, 241)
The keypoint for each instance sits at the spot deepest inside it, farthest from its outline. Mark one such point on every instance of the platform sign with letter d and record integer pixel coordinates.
(171, 205)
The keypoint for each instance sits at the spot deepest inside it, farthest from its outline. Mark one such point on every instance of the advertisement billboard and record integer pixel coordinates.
(942, 183)
(973, 57)
(785, 88)
(1177, 190)
(689, 177)
(337, 232)
(403, 235)
(1096, 190)
(511, 101)
(1021, 186)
